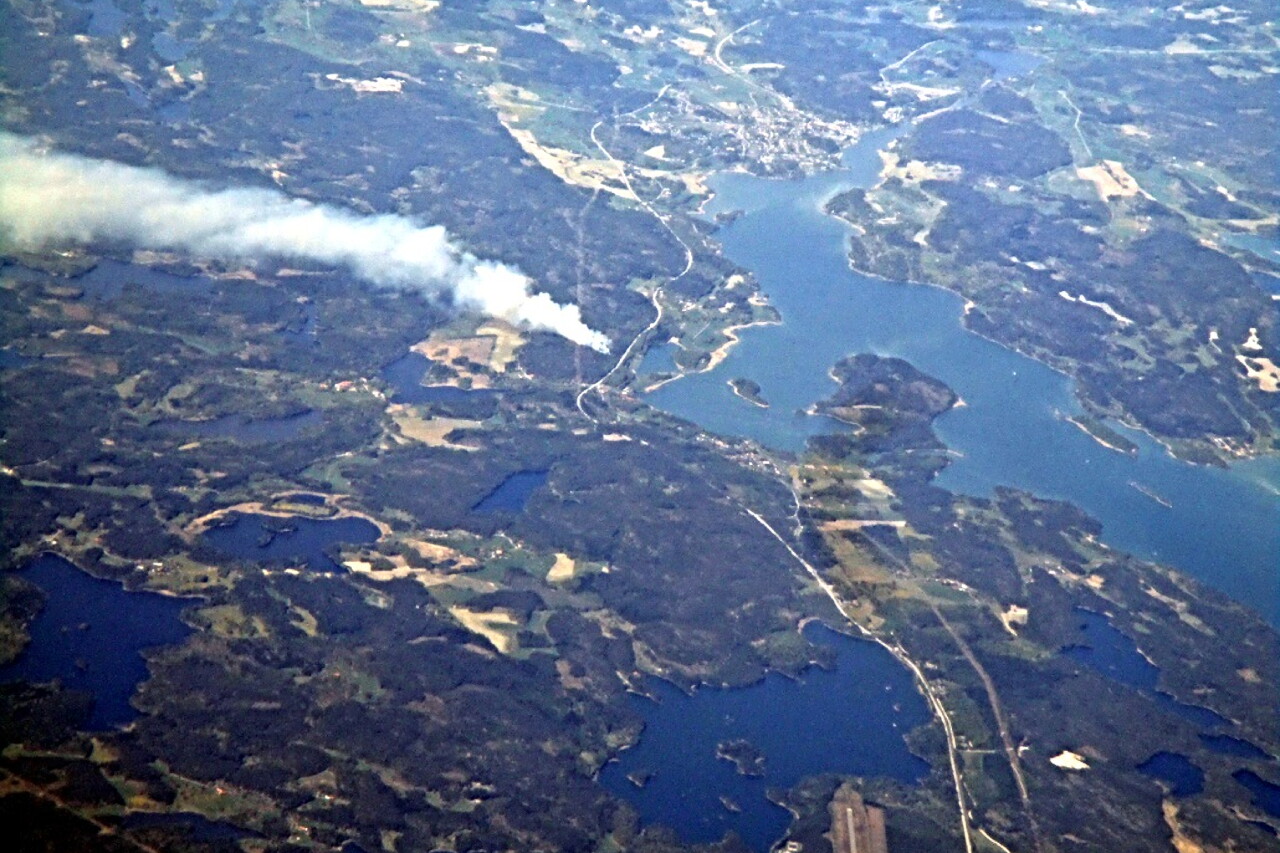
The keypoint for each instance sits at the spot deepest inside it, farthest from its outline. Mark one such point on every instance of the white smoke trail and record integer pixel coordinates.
(56, 198)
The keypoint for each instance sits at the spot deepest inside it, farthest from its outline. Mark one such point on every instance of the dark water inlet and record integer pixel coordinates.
(851, 719)
(1227, 745)
(108, 278)
(90, 636)
(10, 359)
(198, 827)
(1102, 647)
(406, 374)
(1266, 795)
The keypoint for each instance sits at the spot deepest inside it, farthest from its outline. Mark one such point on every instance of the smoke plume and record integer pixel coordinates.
(51, 198)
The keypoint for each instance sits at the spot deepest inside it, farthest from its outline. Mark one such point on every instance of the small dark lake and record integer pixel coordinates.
(194, 826)
(512, 493)
(1266, 795)
(1009, 63)
(10, 359)
(91, 634)
(243, 428)
(1263, 244)
(1103, 647)
(406, 374)
(296, 539)
(851, 719)
(1179, 775)
(1227, 745)
(169, 47)
(106, 18)
(107, 280)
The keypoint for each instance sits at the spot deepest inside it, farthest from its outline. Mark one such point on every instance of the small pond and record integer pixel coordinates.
(406, 374)
(1227, 745)
(196, 827)
(1176, 772)
(512, 493)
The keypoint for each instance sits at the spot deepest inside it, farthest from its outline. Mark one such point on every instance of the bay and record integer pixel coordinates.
(1219, 525)
(849, 719)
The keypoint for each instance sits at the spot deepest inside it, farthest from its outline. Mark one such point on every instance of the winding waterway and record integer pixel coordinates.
(1223, 525)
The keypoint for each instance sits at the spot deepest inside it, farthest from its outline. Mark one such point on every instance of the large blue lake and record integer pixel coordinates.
(90, 636)
(1224, 524)
(850, 719)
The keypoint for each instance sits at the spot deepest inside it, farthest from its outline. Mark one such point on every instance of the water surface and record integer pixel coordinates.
(107, 280)
(512, 493)
(243, 428)
(1227, 745)
(406, 374)
(1177, 772)
(296, 539)
(90, 636)
(1266, 795)
(1102, 647)
(1223, 525)
(10, 359)
(195, 826)
(850, 719)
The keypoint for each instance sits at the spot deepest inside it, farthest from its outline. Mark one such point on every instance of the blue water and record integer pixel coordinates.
(847, 720)
(90, 636)
(512, 493)
(1268, 282)
(1177, 772)
(659, 358)
(107, 280)
(169, 47)
(1009, 63)
(223, 10)
(174, 112)
(1224, 525)
(136, 94)
(306, 332)
(406, 373)
(243, 429)
(1102, 647)
(10, 359)
(1264, 245)
(1266, 795)
(1227, 745)
(196, 827)
(260, 538)
(106, 19)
